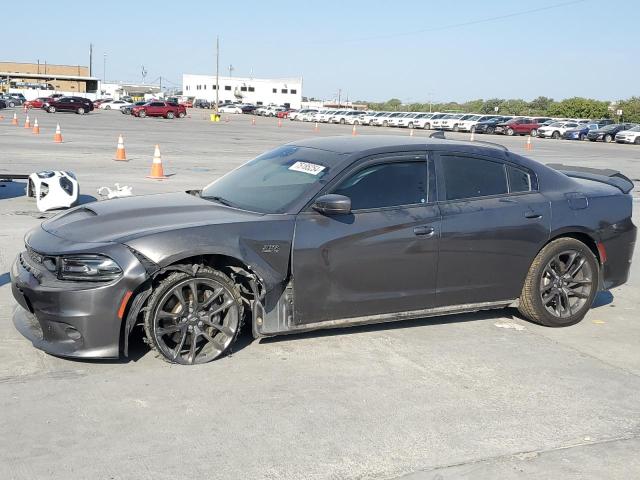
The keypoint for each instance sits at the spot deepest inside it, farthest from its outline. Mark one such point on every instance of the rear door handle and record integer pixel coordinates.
(424, 231)
(532, 215)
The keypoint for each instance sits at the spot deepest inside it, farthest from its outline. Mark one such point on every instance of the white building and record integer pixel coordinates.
(259, 91)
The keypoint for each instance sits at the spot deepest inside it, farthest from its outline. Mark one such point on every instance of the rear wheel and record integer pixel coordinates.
(170, 115)
(108, 107)
(561, 284)
(51, 109)
(80, 111)
(582, 136)
(385, 124)
(193, 319)
(181, 115)
(607, 138)
(534, 132)
(510, 132)
(456, 128)
(490, 130)
(637, 140)
(410, 125)
(342, 120)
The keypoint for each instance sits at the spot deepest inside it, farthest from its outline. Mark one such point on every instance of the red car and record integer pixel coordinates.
(285, 113)
(157, 108)
(520, 126)
(36, 103)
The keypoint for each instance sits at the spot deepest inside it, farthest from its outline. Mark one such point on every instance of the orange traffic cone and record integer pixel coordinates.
(354, 132)
(157, 172)
(529, 145)
(57, 138)
(120, 153)
(14, 121)
(36, 128)
(279, 122)
(27, 123)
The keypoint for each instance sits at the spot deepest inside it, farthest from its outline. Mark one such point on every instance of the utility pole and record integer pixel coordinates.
(104, 68)
(91, 59)
(160, 83)
(217, 72)
(339, 96)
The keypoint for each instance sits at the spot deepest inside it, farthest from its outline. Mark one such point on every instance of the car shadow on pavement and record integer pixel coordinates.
(12, 189)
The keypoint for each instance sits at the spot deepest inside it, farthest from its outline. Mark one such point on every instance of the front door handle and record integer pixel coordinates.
(424, 231)
(532, 215)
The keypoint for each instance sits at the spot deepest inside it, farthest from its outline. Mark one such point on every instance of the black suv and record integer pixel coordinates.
(78, 105)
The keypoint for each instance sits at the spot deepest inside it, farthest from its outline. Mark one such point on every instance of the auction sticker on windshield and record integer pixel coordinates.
(306, 167)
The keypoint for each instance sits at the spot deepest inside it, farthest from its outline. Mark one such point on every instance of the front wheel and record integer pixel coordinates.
(637, 140)
(193, 319)
(582, 137)
(561, 284)
(108, 107)
(456, 128)
(142, 114)
(410, 125)
(534, 133)
(51, 109)
(555, 135)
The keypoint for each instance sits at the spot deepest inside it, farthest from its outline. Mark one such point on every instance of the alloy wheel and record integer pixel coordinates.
(566, 284)
(195, 321)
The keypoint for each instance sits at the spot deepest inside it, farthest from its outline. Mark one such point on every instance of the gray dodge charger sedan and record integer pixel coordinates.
(323, 233)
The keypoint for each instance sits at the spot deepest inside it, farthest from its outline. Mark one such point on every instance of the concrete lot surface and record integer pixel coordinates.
(476, 396)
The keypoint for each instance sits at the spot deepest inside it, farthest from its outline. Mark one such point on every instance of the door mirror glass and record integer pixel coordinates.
(333, 204)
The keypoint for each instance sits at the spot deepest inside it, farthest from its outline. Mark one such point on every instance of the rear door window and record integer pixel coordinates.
(470, 177)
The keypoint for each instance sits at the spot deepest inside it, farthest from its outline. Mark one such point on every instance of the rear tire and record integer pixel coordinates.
(607, 138)
(51, 109)
(582, 137)
(534, 132)
(510, 132)
(637, 140)
(561, 284)
(181, 115)
(108, 107)
(170, 115)
(80, 111)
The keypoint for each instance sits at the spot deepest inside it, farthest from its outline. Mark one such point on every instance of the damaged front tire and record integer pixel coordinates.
(194, 318)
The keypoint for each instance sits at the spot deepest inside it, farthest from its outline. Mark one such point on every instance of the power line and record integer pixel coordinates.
(464, 24)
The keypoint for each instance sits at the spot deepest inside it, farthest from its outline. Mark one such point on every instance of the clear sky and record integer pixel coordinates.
(370, 49)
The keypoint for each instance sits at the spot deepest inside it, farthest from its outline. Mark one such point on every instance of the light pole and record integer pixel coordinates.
(104, 68)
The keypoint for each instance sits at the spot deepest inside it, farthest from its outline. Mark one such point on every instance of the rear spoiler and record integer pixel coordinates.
(602, 175)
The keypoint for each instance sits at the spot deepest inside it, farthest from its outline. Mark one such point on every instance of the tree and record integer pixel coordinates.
(541, 105)
(515, 106)
(630, 109)
(489, 106)
(578, 107)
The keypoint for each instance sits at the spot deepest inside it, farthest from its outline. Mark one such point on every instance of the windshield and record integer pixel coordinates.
(273, 181)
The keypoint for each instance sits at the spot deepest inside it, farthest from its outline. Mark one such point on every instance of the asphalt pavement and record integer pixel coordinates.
(478, 396)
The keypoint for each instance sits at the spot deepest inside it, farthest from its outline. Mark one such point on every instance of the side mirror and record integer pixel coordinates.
(333, 204)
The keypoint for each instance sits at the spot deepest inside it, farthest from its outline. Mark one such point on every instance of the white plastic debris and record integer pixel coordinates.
(514, 326)
(53, 189)
(119, 191)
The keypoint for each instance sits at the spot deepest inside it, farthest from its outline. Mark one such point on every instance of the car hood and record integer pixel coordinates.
(123, 219)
